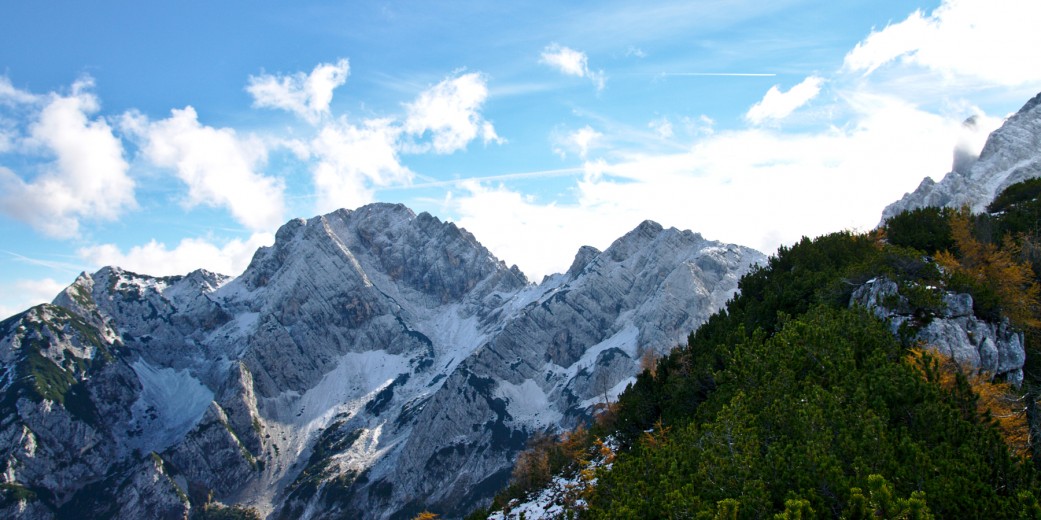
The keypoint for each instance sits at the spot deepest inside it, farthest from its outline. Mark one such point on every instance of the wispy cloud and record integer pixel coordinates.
(67, 267)
(9, 95)
(580, 142)
(557, 172)
(757, 187)
(572, 63)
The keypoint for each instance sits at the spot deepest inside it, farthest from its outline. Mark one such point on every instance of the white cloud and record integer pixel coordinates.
(777, 105)
(156, 259)
(635, 51)
(353, 158)
(756, 187)
(540, 238)
(10, 95)
(450, 112)
(763, 187)
(566, 60)
(219, 167)
(88, 178)
(662, 126)
(573, 63)
(992, 42)
(580, 141)
(23, 294)
(308, 95)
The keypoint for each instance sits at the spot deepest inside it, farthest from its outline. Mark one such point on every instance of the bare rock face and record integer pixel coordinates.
(1010, 155)
(211, 454)
(956, 332)
(369, 364)
(575, 343)
(152, 492)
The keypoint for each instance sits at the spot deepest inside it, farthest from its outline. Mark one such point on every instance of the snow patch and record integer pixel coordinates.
(357, 377)
(528, 404)
(612, 394)
(450, 333)
(624, 340)
(170, 404)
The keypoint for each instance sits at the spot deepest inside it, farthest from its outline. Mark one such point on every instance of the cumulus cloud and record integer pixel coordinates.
(572, 63)
(219, 167)
(306, 95)
(777, 105)
(88, 178)
(157, 259)
(352, 159)
(993, 42)
(450, 112)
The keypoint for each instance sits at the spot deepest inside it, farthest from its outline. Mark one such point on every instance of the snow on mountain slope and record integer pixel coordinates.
(1011, 154)
(170, 404)
(368, 364)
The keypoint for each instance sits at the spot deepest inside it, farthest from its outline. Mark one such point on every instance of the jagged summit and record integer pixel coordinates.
(1010, 155)
(366, 362)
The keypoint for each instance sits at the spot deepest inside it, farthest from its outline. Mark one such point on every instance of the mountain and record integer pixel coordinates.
(370, 364)
(1010, 155)
(893, 373)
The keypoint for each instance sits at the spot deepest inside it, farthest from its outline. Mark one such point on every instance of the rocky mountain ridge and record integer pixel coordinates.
(1010, 155)
(369, 364)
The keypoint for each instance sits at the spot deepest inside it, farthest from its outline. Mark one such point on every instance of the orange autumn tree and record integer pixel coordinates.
(995, 269)
(1004, 405)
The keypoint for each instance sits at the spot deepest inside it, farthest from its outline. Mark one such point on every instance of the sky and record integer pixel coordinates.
(169, 136)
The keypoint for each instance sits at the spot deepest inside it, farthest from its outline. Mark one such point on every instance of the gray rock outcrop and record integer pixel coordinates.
(993, 348)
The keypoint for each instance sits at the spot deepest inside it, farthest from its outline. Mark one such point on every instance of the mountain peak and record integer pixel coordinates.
(373, 342)
(1009, 156)
(1031, 104)
(585, 255)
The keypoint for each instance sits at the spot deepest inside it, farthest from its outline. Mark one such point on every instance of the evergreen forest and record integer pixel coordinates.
(793, 403)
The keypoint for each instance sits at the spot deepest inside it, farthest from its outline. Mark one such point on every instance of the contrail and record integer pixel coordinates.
(51, 264)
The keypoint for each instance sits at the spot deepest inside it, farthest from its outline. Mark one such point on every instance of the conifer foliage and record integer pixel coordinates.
(790, 403)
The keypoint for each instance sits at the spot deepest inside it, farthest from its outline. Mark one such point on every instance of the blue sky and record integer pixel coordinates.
(173, 136)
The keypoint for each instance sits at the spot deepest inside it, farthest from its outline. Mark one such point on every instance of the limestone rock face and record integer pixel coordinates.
(1010, 155)
(988, 347)
(211, 454)
(369, 364)
(152, 492)
(574, 343)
